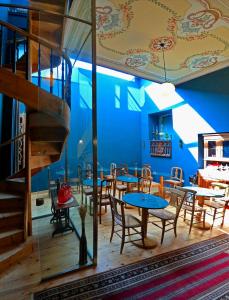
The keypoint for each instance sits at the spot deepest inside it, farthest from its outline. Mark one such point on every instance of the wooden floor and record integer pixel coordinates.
(20, 281)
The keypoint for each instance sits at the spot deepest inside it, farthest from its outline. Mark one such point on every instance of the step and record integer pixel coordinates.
(10, 238)
(48, 134)
(10, 220)
(14, 254)
(15, 185)
(10, 202)
(45, 148)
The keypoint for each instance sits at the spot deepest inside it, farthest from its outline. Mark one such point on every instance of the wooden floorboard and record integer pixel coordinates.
(51, 255)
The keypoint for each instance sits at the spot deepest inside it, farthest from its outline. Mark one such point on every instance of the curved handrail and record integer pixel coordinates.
(45, 12)
(49, 45)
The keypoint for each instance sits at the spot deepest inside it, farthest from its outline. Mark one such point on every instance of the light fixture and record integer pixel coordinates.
(166, 86)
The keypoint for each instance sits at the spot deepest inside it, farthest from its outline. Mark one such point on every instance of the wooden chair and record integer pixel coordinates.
(121, 188)
(112, 172)
(176, 177)
(51, 183)
(104, 192)
(191, 207)
(167, 217)
(126, 224)
(75, 182)
(218, 206)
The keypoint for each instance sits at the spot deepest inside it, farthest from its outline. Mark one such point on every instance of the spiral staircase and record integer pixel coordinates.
(47, 121)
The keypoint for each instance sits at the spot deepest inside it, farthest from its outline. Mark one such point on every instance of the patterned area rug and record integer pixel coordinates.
(199, 271)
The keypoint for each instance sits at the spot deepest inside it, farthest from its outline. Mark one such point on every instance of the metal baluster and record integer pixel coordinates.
(51, 72)
(62, 79)
(1, 48)
(39, 64)
(26, 46)
(14, 50)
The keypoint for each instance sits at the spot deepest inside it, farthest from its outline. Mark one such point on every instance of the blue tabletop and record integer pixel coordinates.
(145, 200)
(134, 168)
(128, 178)
(89, 182)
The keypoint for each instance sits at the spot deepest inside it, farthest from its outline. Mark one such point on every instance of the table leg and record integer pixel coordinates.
(149, 243)
(200, 225)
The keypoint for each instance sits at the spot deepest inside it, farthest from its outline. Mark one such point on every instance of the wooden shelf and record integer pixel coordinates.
(220, 159)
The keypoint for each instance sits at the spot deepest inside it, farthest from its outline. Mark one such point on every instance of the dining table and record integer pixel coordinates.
(145, 202)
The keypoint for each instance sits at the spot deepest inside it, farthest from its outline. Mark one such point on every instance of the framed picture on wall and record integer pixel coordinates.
(161, 148)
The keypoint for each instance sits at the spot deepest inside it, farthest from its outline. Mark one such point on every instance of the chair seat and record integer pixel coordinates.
(173, 182)
(109, 177)
(131, 221)
(196, 209)
(162, 214)
(88, 191)
(214, 204)
(121, 187)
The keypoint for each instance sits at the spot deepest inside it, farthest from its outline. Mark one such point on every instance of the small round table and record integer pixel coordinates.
(145, 202)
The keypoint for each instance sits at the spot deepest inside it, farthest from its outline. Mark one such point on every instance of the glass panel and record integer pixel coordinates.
(211, 148)
(57, 60)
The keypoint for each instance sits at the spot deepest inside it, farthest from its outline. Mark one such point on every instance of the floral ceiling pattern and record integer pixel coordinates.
(193, 36)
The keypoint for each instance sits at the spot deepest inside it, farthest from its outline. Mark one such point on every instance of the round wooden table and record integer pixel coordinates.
(145, 202)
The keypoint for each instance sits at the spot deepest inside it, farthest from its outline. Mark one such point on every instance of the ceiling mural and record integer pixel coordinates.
(194, 35)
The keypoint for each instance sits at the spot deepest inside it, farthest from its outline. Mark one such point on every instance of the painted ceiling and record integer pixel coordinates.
(194, 35)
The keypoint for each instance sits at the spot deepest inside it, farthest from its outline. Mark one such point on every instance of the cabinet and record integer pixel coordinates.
(216, 149)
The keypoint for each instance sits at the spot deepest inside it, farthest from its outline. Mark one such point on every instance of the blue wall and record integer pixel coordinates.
(119, 118)
(202, 106)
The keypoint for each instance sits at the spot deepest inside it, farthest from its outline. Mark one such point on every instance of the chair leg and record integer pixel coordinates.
(191, 222)
(163, 230)
(123, 240)
(223, 215)
(184, 215)
(112, 230)
(143, 237)
(175, 228)
(139, 211)
(100, 213)
(214, 215)
(90, 208)
(204, 216)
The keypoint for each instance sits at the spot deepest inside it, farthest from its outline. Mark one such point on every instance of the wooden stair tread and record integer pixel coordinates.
(10, 232)
(9, 196)
(18, 180)
(5, 215)
(12, 251)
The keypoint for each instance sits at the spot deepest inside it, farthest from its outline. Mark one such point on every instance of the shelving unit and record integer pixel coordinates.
(214, 148)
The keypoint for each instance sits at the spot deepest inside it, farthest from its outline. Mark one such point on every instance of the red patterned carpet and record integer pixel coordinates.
(199, 271)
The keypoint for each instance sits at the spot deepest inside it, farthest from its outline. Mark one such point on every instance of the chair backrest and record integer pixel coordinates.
(105, 186)
(88, 171)
(176, 174)
(146, 179)
(146, 172)
(190, 197)
(119, 171)
(178, 196)
(112, 168)
(117, 211)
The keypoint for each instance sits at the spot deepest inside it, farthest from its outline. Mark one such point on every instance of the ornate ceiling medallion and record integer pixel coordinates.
(168, 43)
